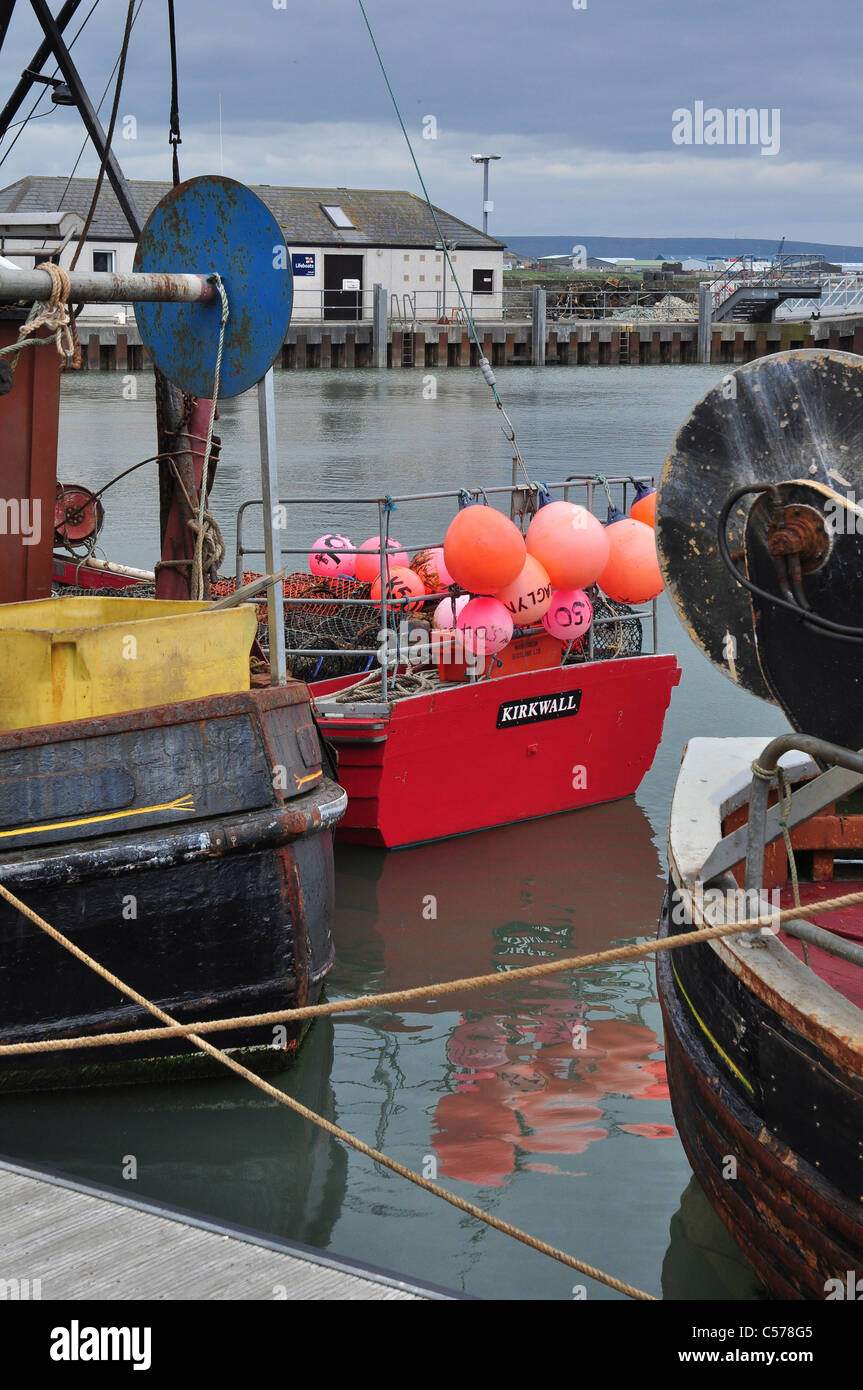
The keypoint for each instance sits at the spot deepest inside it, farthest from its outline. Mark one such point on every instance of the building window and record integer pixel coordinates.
(422, 258)
(406, 278)
(103, 261)
(337, 215)
(42, 256)
(406, 256)
(483, 282)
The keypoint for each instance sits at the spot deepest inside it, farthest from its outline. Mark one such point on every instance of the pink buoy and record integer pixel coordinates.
(326, 557)
(444, 616)
(570, 543)
(368, 566)
(528, 596)
(569, 615)
(485, 626)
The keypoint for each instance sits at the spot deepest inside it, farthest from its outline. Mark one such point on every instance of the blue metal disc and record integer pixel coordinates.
(206, 225)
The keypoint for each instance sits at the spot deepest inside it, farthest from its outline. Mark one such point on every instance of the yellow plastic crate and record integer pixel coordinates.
(72, 658)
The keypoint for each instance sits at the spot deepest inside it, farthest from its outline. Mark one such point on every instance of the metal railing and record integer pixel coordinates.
(843, 294)
(519, 497)
(791, 269)
(407, 307)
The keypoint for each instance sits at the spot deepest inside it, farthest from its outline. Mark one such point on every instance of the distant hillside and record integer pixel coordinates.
(672, 248)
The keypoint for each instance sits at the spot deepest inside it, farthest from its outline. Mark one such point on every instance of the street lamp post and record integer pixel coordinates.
(487, 207)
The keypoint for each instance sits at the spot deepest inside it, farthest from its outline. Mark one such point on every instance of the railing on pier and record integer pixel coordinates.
(794, 268)
(390, 613)
(405, 309)
(840, 294)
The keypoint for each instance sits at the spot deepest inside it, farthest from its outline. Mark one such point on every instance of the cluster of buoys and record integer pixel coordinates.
(512, 580)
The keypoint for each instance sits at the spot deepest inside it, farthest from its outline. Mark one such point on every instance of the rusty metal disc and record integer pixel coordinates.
(78, 514)
(793, 416)
(206, 225)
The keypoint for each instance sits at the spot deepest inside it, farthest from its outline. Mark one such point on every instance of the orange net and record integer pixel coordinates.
(321, 621)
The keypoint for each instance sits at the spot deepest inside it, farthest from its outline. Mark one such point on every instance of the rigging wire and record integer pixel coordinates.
(127, 34)
(44, 92)
(174, 137)
(485, 365)
(98, 109)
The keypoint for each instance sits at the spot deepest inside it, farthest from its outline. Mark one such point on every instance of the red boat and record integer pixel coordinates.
(434, 752)
(451, 761)
(546, 728)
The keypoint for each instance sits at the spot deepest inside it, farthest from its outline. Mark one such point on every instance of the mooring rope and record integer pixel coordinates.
(438, 990)
(282, 1098)
(206, 522)
(53, 314)
(192, 1032)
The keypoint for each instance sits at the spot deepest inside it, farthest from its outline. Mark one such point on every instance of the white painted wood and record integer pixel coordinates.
(713, 771)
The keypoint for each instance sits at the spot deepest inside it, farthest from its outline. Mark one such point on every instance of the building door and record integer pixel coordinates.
(341, 303)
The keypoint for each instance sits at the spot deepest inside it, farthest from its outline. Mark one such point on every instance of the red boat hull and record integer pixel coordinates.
(478, 755)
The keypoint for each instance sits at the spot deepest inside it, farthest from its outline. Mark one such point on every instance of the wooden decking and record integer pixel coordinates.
(81, 1243)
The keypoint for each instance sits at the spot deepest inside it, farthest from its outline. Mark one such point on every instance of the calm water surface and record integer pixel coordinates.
(576, 1145)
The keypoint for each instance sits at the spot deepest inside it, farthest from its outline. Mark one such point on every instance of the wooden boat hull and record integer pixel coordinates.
(748, 1087)
(459, 759)
(218, 906)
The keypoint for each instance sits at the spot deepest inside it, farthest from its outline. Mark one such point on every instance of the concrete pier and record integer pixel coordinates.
(429, 346)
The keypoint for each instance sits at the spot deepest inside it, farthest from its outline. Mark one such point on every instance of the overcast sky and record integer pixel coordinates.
(578, 102)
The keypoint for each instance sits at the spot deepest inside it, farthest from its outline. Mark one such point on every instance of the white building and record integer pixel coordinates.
(342, 243)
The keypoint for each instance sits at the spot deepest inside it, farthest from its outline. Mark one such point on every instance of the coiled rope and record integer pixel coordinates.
(206, 530)
(53, 314)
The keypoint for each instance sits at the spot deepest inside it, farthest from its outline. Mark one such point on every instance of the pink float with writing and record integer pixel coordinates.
(327, 557)
(485, 625)
(569, 615)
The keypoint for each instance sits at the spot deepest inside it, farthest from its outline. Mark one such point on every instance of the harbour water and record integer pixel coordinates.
(490, 1092)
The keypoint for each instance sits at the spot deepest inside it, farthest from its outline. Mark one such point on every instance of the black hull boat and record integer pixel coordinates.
(159, 844)
(764, 1056)
(163, 803)
(764, 1029)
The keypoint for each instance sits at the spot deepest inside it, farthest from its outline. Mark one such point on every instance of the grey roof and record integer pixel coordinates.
(382, 217)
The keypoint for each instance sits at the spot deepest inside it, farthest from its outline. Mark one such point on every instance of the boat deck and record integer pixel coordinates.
(82, 1243)
(840, 974)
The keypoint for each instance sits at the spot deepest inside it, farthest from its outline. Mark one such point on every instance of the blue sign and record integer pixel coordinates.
(303, 263)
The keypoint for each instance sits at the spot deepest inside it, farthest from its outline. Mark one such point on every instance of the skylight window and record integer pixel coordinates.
(337, 216)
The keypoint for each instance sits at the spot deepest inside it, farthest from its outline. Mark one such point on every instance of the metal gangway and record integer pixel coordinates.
(840, 294)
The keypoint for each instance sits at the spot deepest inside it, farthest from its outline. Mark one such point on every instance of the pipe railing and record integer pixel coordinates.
(392, 610)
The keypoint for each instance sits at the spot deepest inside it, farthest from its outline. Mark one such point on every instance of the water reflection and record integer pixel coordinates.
(213, 1147)
(492, 1086)
(526, 1068)
(702, 1260)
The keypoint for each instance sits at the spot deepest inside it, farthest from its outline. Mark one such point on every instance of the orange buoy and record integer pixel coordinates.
(570, 543)
(632, 573)
(402, 584)
(483, 550)
(528, 597)
(644, 506)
